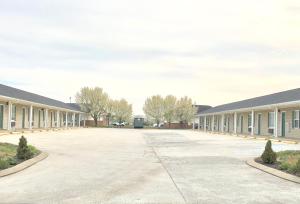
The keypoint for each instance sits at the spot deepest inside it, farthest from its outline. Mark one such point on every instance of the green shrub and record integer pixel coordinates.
(269, 156)
(23, 151)
(12, 161)
(3, 163)
(33, 150)
(297, 167)
(284, 166)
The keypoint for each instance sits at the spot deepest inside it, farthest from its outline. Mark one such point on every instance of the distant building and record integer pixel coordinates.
(200, 108)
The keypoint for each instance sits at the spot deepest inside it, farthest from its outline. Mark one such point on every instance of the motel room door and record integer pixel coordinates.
(23, 118)
(242, 124)
(1, 116)
(259, 124)
(283, 114)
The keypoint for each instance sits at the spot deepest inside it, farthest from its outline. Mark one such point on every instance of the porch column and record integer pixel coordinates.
(84, 120)
(73, 119)
(235, 122)
(222, 123)
(46, 118)
(66, 120)
(204, 123)
(79, 118)
(252, 122)
(213, 123)
(199, 120)
(276, 122)
(9, 116)
(30, 117)
(57, 119)
(194, 124)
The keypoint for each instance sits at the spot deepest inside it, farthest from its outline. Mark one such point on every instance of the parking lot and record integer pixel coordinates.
(145, 166)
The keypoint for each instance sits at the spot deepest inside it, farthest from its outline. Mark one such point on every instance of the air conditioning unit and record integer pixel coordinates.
(13, 123)
(271, 131)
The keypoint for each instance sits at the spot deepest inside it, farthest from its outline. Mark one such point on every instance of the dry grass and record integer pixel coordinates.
(7, 150)
(288, 160)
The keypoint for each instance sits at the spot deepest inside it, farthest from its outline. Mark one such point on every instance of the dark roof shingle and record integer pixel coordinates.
(271, 99)
(31, 97)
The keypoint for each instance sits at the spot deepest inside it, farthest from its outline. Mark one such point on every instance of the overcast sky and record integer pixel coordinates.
(213, 51)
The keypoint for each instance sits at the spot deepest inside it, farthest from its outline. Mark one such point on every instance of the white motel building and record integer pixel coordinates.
(270, 115)
(23, 110)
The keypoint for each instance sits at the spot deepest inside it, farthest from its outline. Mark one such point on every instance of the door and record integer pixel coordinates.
(51, 118)
(1, 116)
(283, 124)
(259, 124)
(228, 124)
(39, 118)
(23, 118)
(242, 124)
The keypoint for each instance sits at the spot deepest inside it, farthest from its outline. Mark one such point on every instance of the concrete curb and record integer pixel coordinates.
(36, 131)
(23, 165)
(274, 172)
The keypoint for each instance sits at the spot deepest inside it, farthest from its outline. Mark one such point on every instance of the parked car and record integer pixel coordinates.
(122, 124)
(160, 125)
(115, 124)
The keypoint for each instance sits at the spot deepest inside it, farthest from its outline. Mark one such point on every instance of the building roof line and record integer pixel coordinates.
(28, 97)
(284, 97)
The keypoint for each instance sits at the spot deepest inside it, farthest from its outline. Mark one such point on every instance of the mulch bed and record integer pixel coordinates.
(274, 166)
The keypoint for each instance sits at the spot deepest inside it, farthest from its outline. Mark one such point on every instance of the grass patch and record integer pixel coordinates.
(7, 150)
(8, 154)
(287, 161)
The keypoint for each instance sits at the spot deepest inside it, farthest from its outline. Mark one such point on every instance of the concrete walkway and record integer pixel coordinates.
(145, 166)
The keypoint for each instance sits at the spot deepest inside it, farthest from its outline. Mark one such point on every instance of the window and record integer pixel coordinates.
(295, 121)
(271, 120)
(13, 113)
(249, 120)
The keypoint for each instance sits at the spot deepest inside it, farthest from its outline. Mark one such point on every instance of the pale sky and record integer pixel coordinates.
(213, 51)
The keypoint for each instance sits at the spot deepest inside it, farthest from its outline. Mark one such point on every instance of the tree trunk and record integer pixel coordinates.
(96, 121)
(169, 124)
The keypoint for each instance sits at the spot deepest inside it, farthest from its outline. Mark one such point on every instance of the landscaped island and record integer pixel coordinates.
(11, 155)
(287, 161)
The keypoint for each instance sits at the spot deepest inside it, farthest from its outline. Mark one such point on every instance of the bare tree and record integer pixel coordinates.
(154, 108)
(170, 108)
(93, 101)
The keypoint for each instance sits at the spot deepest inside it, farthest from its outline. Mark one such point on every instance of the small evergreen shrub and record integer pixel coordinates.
(23, 151)
(269, 156)
(3, 164)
